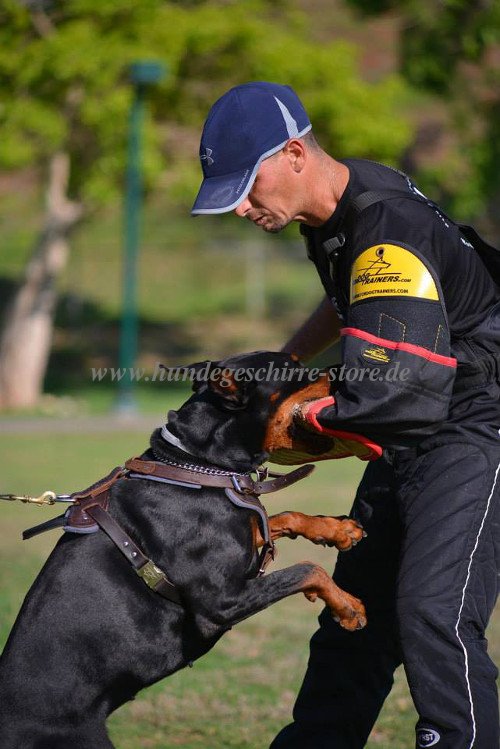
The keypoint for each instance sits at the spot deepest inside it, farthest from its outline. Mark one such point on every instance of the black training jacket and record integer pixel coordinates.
(415, 298)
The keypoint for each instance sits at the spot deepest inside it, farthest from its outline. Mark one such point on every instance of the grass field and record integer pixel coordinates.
(241, 693)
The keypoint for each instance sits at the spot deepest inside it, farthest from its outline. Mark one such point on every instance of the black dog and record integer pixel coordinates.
(90, 634)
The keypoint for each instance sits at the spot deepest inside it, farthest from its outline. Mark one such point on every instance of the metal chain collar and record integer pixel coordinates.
(197, 468)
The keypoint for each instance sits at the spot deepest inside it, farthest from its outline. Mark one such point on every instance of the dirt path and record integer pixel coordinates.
(79, 424)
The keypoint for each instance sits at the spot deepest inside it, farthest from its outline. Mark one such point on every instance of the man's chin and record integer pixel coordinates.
(274, 228)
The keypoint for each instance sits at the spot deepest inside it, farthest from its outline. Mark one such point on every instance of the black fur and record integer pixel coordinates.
(90, 634)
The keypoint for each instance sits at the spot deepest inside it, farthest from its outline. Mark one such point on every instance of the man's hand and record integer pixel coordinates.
(309, 441)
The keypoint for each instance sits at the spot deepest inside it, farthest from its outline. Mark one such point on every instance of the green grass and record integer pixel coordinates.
(242, 692)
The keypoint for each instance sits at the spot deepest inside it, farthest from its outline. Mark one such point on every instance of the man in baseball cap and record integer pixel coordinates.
(417, 293)
(244, 127)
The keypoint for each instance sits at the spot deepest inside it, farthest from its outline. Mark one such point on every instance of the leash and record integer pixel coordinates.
(89, 508)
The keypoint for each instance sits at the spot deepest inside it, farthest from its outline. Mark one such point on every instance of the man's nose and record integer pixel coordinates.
(243, 207)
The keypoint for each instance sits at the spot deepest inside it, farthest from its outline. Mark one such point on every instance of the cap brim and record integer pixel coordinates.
(223, 194)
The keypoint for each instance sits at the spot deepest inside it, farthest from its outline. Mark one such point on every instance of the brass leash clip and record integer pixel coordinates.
(47, 498)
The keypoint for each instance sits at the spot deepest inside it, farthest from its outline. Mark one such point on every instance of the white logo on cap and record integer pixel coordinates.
(207, 156)
(427, 737)
(290, 122)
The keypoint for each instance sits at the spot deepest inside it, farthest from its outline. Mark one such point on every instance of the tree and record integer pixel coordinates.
(451, 49)
(65, 98)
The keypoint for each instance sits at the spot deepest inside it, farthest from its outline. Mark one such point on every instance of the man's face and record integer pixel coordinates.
(272, 203)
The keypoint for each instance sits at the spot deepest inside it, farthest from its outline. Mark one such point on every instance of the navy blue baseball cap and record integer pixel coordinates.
(245, 126)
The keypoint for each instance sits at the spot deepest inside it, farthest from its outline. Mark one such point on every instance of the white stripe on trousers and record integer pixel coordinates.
(462, 605)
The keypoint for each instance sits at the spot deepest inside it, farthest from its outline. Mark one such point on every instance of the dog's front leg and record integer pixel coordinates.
(305, 577)
(341, 532)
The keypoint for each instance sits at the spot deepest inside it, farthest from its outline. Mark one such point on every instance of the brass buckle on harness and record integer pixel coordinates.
(151, 574)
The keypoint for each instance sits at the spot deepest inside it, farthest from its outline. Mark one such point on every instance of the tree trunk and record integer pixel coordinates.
(27, 333)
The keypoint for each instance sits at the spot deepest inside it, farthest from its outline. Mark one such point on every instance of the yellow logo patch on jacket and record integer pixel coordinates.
(377, 354)
(390, 270)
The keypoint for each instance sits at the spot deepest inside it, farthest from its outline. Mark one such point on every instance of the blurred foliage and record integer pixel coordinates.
(452, 49)
(63, 84)
(438, 37)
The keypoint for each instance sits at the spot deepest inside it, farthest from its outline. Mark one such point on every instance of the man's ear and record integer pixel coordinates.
(232, 392)
(296, 153)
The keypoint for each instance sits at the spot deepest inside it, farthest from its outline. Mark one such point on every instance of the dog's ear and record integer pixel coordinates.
(232, 391)
(198, 373)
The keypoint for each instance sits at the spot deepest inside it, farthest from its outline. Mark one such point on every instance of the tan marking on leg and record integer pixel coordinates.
(320, 529)
(256, 534)
(346, 609)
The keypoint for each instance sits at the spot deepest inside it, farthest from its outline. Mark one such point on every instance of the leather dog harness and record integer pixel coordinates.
(89, 513)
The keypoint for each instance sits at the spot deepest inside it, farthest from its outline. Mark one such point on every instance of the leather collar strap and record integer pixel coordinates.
(240, 482)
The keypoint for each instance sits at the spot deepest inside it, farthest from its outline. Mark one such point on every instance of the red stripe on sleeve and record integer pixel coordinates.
(411, 348)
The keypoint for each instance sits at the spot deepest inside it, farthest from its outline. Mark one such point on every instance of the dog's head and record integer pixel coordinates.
(241, 408)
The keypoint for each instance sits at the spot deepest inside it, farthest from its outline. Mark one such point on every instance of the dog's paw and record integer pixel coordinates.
(349, 533)
(341, 532)
(353, 615)
(345, 608)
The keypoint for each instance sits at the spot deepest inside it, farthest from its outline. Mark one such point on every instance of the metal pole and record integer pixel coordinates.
(142, 74)
(132, 207)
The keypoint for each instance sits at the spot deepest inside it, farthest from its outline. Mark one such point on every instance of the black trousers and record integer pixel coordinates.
(428, 573)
